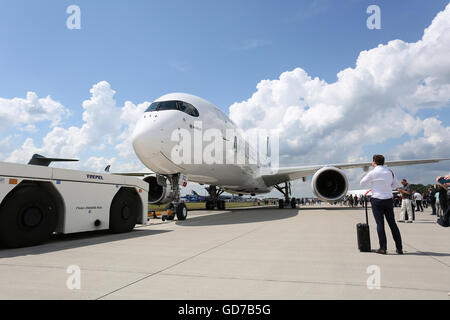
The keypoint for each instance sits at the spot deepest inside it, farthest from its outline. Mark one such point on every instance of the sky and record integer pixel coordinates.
(341, 91)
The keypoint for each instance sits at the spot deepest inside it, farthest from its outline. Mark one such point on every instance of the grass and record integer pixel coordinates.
(202, 205)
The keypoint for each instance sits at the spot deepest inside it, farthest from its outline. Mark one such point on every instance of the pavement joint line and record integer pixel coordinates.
(64, 268)
(300, 282)
(428, 255)
(180, 262)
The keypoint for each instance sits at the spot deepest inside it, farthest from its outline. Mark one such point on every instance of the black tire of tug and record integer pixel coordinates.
(363, 234)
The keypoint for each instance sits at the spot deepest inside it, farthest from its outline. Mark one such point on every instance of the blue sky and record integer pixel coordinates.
(219, 50)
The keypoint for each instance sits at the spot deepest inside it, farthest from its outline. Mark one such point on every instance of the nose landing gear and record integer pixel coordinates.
(176, 207)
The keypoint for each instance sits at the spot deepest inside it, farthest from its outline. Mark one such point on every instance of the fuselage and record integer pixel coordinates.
(182, 133)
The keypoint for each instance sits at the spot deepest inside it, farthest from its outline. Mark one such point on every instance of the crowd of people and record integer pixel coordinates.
(411, 201)
(352, 201)
(437, 197)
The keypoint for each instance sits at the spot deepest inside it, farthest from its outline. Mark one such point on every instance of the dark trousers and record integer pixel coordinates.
(446, 216)
(419, 205)
(381, 209)
(433, 207)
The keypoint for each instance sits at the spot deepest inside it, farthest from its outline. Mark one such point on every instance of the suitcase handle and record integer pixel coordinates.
(365, 205)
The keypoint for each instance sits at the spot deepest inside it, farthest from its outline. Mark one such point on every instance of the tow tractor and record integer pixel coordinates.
(164, 215)
(37, 201)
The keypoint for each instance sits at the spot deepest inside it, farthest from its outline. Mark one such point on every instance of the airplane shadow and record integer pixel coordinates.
(76, 240)
(239, 216)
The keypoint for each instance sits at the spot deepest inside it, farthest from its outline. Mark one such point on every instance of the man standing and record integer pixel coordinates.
(382, 181)
(444, 199)
(432, 200)
(406, 202)
(418, 199)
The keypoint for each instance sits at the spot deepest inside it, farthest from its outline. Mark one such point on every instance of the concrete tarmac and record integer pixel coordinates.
(260, 253)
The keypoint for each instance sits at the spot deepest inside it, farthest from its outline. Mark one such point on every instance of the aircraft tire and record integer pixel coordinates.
(182, 212)
(293, 203)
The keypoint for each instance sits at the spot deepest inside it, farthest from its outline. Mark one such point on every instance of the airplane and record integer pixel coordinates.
(176, 113)
(194, 197)
(360, 192)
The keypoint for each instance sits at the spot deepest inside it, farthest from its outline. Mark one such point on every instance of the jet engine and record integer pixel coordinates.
(160, 190)
(329, 184)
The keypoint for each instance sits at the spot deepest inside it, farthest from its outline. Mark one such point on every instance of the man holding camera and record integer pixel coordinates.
(406, 202)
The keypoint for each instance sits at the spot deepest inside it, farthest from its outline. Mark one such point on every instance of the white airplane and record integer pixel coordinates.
(179, 112)
(360, 193)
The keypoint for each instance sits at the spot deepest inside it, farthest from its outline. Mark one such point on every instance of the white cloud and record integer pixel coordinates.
(5, 146)
(376, 101)
(98, 163)
(24, 112)
(106, 128)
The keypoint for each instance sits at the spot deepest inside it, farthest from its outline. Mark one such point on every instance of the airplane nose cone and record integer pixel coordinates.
(144, 139)
(152, 141)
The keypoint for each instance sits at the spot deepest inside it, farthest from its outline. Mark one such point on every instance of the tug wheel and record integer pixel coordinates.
(28, 217)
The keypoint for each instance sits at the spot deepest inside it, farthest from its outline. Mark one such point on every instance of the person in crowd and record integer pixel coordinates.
(382, 181)
(444, 199)
(350, 200)
(425, 200)
(418, 200)
(438, 203)
(406, 193)
(432, 200)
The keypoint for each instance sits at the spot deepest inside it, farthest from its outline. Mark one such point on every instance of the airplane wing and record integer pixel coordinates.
(133, 174)
(128, 174)
(293, 173)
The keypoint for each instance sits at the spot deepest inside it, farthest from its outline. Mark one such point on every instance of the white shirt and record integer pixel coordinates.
(417, 196)
(382, 181)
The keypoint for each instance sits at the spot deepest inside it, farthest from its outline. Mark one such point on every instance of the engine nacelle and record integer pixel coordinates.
(159, 191)
(329, 184)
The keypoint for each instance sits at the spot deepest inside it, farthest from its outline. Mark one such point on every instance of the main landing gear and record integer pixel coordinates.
(286, 191)
(213, 200)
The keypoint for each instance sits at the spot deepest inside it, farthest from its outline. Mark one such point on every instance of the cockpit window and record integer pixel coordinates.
(174, 105)
(167, 105)
(188, 108)
(152, 107)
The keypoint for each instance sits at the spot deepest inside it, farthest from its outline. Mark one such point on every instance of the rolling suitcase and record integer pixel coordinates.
(362, 231)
